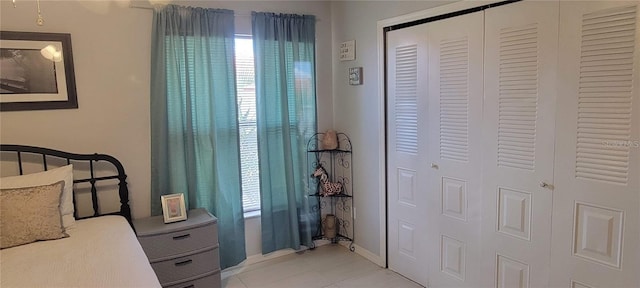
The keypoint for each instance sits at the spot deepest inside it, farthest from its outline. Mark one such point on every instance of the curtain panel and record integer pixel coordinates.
(284, 49)
(194, 123)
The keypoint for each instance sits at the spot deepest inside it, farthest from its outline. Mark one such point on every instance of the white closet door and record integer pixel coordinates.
(597, 196)
(406, 151)
(454, 150)
(520, 93)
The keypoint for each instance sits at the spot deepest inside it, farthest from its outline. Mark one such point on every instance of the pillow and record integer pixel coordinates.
(64, 173)
(30, 214)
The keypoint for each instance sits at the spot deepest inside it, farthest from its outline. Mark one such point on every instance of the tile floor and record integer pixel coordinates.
(328, 266)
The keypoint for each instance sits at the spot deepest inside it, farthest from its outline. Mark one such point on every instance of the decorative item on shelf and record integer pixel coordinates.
(328, 188)
(173, 208)
(330, 226)
(330, 140)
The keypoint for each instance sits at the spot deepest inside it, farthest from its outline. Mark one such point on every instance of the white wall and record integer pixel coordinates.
(356, 109)
(111, 49)
(111, 53)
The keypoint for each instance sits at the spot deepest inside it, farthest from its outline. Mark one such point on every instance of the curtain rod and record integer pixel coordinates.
(149, 7)
(140, 6)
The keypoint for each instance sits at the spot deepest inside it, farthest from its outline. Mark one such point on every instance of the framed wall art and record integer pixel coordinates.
(348, 50)
(36, 71)
(173, 207)
(355, 76)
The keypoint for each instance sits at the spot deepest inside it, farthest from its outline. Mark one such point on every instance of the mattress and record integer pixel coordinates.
(100, 252)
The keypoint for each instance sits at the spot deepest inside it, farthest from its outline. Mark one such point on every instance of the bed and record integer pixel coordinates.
(84, 244)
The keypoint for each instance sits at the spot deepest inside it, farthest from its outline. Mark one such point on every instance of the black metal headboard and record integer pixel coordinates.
(123, 191)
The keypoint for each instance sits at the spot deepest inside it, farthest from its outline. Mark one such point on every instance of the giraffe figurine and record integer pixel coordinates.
(328, 188)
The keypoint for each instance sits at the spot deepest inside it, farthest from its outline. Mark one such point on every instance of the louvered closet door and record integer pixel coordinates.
(597, 197)
(520, 92)
(455, 144)
(406, 152)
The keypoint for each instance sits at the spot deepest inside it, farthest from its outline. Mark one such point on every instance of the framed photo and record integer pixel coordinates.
(348, 50)
(36, 71)
(355, 76)
(173, 208)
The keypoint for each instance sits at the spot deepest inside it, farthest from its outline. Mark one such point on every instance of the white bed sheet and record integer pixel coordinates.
(100, 252)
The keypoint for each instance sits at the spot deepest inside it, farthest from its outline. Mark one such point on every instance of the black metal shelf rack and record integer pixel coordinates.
(338, 165)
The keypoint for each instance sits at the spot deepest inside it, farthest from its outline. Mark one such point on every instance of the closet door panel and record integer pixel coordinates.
(406, 151)
(454, 145)
(597, 198)
(518, 132)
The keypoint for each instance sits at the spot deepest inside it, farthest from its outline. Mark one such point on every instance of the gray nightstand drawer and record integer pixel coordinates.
(174, 271)
(183, 254)
(211, 281)
(165, 246)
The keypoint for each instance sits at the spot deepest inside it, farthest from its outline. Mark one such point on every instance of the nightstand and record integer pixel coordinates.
(183, 254)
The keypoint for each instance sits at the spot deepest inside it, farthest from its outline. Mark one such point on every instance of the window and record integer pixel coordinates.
(245, 83)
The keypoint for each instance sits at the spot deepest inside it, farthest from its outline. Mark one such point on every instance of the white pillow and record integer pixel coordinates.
(64, 173)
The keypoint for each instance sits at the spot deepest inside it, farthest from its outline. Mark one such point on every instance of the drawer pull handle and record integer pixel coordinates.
(185, 262)
(181, 237)
(190, 286)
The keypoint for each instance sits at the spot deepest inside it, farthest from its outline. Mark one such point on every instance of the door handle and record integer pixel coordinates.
(434, 166)
(546, 185)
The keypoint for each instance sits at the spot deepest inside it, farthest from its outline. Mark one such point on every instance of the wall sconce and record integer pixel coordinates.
(51, 53)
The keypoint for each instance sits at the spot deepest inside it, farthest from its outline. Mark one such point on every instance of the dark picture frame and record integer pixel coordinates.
(29, 80)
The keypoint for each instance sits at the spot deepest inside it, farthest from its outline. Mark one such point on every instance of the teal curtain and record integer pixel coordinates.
(284, 51)
(194, 123)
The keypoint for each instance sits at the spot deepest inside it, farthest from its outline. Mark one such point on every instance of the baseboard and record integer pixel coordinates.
(253, 259)
(366, 254)
(321, 242)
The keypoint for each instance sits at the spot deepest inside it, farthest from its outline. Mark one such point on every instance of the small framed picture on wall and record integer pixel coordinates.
(355, 76)
(173, 208)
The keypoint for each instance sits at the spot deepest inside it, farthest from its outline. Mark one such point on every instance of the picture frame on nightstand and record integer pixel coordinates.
(173, 208)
